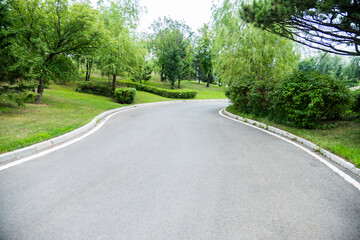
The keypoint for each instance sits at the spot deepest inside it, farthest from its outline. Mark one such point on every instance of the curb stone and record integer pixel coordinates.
(334, 158)
(38, 147)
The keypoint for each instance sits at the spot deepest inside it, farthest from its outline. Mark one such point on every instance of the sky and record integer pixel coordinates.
(194, 12)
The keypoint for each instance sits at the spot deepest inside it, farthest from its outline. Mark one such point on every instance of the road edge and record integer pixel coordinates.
(334, 158)
(18, 154)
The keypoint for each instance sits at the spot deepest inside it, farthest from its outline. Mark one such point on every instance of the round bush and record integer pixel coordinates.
(302, 99)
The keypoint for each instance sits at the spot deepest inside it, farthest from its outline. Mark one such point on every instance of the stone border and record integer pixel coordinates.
(334, 158)
(38, 147)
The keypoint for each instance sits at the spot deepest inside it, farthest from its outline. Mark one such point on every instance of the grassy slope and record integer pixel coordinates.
(62, 110)
(343, 140)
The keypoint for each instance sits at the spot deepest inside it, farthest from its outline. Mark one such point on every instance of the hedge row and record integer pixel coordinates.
(22, 87)
(182, 94)
(94, 88)
(125, 95)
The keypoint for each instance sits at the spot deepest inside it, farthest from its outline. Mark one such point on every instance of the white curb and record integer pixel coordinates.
(338, 160)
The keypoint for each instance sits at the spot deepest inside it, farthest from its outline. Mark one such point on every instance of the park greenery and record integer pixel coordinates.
(249, 50)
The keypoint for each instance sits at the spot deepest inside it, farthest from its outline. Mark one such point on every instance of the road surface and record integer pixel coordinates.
(177, 171)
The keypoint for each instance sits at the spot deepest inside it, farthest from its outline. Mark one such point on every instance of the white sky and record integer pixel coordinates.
(194, 12)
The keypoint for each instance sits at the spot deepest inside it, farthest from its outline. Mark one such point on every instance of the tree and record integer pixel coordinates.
(121, 54)
(46, 29)
(205, 54)
(248, 59)
(331, 26)
(171, 45)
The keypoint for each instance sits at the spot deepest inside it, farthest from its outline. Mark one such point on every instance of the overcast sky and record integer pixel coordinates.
(194, 12)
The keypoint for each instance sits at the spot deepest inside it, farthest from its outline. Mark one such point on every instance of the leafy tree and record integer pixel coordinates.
(171, 45)
(205, 54)
(120, 55)
(248, 59)
(46, 29)
(326, 25)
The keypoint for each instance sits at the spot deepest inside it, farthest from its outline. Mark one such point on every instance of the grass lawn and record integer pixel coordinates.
(212, 92)
(61, 111)
(343, 140)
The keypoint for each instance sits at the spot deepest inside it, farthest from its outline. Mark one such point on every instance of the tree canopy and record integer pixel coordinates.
(332, 25)
(41, 31)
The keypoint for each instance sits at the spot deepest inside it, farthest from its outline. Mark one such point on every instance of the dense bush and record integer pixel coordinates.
(251, 96)
(125, 95)
(182, 94)
(94, 88)
(356, 105)
(302, 99)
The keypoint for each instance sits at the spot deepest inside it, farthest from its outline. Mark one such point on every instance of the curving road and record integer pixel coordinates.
(177, 171)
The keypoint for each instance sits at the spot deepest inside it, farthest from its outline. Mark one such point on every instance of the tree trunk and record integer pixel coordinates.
(179, 83)
(113, 83)
(40, 90)
(88, 69)
(208, 81)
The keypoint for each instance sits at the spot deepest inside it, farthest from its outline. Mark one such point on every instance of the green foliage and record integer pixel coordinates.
(302, 99)
(247, 61)
(121, 54)
(204, 54)
(171, 45)
(325, 25)
(22, 87)
(94, 88)
(356, 105)
(41, 31)
(181, 94)
(125, 95)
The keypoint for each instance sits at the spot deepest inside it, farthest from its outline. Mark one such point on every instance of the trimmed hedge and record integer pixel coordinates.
(94, 88)
(125, 95)
(181, 94)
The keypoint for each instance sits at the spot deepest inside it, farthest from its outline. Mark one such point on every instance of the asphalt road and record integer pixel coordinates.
(177, 171)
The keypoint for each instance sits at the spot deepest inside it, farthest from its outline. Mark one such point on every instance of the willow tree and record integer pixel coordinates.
(248, 59)
(121, 54)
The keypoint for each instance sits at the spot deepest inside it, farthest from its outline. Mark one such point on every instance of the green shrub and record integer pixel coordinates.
(302, 99)
(250, 96)
(181, 94)
(125, 95)
(356, 105)
(22, 87)
(94, 88)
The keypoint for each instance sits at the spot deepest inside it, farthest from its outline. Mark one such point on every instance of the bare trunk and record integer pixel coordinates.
(179, 83)
(208, 81)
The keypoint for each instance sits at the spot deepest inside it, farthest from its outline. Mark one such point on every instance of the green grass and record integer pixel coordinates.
(212, 92)
(343, 140)
(61, 111)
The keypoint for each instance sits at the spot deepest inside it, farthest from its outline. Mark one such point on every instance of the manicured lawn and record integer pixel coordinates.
(212, 92)
(61, 111)
(343, 140)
